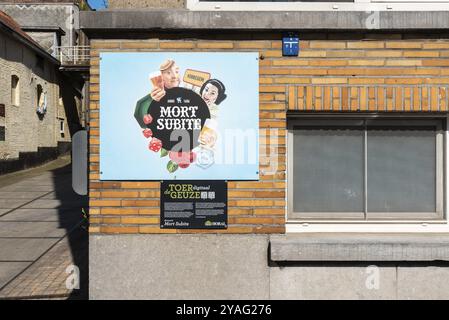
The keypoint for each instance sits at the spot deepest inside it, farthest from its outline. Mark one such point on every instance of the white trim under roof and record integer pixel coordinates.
(356, 5)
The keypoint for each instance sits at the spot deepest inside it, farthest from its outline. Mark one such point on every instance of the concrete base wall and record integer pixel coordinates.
(178, 267)
(238, 267)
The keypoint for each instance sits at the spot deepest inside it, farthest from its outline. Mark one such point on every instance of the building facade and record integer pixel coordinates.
(55, 26)
(50, 23)
(350, 200)
(38, 106)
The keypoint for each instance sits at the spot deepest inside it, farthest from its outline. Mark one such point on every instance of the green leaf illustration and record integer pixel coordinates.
(163, 152)
(172, 166)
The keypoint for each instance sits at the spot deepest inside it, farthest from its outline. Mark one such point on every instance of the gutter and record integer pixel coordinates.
(57, 30)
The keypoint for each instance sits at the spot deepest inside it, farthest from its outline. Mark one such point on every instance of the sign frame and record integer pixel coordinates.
(183, 204)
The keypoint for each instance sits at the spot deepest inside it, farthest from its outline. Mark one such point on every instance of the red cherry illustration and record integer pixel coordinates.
(147, 119)
(147, 133)
(155, 145)
(182, 158)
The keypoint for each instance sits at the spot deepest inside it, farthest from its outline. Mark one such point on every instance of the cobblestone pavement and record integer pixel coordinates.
(41, 234)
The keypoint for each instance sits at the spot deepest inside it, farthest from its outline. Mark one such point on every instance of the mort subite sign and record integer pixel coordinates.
(179, 116)
(194, 205)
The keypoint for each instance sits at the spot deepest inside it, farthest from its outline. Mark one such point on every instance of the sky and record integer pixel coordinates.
(97, 4)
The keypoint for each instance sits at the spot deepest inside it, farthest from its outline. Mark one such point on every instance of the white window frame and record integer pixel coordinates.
(369, 226)
(61, 126)
(357, 5)
(15, 91)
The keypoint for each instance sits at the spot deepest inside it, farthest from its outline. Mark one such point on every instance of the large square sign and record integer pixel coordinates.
(179, 116)
(194, 204)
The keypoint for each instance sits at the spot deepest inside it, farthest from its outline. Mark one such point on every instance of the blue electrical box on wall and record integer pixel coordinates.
(290, 45)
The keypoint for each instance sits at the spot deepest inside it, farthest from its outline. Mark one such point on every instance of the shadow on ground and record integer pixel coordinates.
(43, 230)
(72, 211)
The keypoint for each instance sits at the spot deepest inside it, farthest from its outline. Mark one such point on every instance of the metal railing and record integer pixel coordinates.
(72, 55)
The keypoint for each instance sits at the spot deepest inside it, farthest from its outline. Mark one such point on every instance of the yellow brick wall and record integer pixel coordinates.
(383, 75)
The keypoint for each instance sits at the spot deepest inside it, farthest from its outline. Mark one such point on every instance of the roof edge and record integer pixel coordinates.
(30, 43)
(182, 19)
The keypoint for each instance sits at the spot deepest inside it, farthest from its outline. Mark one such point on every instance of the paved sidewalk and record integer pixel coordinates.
(40, 233)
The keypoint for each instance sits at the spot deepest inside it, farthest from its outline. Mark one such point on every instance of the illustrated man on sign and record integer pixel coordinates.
(169, 78)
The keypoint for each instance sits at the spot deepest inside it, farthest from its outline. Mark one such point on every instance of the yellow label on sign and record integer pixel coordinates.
(195, 77)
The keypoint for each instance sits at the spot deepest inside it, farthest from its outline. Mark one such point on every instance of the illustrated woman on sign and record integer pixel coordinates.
(213, 93)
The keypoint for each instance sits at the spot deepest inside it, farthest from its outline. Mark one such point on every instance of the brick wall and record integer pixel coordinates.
(25, 132)
(386, 74)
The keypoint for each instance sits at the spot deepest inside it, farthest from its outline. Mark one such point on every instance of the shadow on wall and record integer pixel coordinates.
(34, 158)
(70, 91)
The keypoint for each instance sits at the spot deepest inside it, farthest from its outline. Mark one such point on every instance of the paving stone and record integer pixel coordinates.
(8, 270)
(30, 238)
(51, 180)
(15, 187)
(12, 203)
(30, 183)
(48, 203)
(24, 249)
(31, 229)
(43, 215)
(21, 195)
(47, 276)
(63, 195)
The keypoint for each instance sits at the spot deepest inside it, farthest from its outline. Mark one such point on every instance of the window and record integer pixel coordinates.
(15, 90)
(61, 127)
(2, 122)
(39, 94)
(60, 101)
(365, 169)
(40, 63)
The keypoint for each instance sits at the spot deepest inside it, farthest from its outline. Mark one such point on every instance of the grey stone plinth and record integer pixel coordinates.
(178, 267)
(423, 282)
(206, 266)
(360, 247)
(333, 282)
